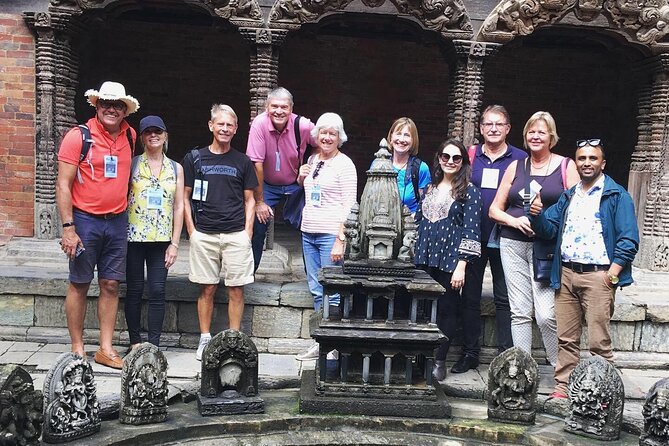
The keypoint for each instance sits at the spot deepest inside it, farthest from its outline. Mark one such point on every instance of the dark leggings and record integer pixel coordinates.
(448, 307)
(153, 253)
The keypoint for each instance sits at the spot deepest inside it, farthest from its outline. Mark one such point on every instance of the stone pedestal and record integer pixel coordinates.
(144, 386)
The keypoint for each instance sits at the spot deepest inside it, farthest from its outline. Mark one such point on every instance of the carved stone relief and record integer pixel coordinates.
(513, 382)
(656, 415)
(645, 21)
(144, 386)
(20, 407)
(71, 402)
(447, 17)
(236, 8)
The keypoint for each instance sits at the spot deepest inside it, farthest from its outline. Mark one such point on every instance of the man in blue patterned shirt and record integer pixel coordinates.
(597, 239)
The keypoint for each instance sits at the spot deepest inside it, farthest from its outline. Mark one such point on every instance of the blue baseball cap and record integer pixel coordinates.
(151, 121)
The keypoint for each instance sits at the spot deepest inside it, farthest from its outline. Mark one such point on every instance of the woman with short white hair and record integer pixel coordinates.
(330, 186)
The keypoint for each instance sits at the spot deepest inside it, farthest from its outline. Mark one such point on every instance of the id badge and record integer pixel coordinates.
(200, 190)
(154, 198)
(315, 196)
(111, 166)
(490, 178)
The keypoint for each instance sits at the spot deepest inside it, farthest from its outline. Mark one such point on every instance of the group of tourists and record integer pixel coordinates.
(544, 222)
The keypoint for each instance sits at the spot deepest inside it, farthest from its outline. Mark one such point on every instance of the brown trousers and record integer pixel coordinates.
(582, 296)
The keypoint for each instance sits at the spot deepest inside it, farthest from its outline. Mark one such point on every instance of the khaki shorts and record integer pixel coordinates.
(211, 253)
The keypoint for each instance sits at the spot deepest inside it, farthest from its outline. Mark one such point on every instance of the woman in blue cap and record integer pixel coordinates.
(155, 219)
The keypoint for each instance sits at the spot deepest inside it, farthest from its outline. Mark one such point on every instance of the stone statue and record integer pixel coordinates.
(353, 233)
(656, 415)
(144, 386)
(71, 402)
(230, 376)
(596, 400)
(20, 407)
(409, 236)
(513, 381)
(381, 233)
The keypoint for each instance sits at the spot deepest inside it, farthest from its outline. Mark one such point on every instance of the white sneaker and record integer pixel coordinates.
(200, 347)
(333, 356)
(309, 355)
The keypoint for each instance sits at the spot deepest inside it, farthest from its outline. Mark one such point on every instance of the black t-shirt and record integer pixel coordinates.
(226, 177)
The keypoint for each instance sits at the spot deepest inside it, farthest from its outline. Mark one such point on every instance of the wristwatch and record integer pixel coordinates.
(68, 224)
(613, 279)
(342, 237)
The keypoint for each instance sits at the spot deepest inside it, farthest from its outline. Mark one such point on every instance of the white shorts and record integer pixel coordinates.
(228, 252)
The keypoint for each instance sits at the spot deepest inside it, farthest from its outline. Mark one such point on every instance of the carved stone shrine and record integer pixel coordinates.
(385, 326)
(20, 407)
(71, 404)
(144, 386)
(656, 415)
(230, 376)
(596, 400)
(513, 382)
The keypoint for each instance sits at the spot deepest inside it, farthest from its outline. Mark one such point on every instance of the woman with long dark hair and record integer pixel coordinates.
(449, 236)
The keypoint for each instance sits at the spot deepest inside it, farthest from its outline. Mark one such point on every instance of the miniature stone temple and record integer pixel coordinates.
(230, 376)
(20, 407)
(385, 326)
(513, 382)
(144, 386)
(596, 400)
(71, 404)
(656, 415)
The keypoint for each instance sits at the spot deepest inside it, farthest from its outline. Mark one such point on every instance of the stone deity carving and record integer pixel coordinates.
(144, 386)
(353, 233)
(20, 407)
(656, 415)
(513, 381)
(230, 376)
(409, 236)
(596, 400)
(72, 409)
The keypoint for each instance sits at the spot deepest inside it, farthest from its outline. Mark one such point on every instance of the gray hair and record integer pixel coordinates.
(222, 108)
(330, 121)
(280, 93)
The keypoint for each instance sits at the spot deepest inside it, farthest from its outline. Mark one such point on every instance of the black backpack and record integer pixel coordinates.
(413, 170)
(86, 141)
(196, 205)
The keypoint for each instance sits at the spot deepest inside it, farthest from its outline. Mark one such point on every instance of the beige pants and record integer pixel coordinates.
(227, 252)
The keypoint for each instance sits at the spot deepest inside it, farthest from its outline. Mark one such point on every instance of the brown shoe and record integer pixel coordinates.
(114, 360)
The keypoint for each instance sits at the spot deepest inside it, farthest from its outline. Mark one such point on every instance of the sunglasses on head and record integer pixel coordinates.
(445, 157)
(116, 105)
(588, 142)
(317, 169)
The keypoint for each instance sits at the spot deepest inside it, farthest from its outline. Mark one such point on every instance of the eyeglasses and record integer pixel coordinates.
(489, 125)
(445, 157)
(116, 105)
(155, 130)
(317, 169)
(588, 142)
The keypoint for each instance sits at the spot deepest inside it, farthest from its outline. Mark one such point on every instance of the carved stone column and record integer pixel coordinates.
(467, 88)
(56, 67)
(649, 171)
(264, 70)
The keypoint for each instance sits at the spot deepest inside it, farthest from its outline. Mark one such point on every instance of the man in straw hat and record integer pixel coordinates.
(91, 193)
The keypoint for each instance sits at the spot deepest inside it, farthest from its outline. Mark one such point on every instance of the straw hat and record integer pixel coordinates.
(112, 91)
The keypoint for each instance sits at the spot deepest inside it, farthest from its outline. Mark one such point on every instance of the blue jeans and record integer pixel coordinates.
(272, 196)
(316, 249)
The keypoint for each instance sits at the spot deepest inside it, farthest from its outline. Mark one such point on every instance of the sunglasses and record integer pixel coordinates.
(116, 105)
(317, 169)
(445, 157)
(588, 142)
(155, 130)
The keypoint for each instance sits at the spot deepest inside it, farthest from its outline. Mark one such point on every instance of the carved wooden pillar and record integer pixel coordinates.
(56, 76)
(467, 88)
(649, 171)
(264, 63)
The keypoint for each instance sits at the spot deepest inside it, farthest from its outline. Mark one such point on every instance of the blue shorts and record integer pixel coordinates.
(106, 245)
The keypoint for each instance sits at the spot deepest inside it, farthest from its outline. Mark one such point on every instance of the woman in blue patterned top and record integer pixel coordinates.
(449, 235)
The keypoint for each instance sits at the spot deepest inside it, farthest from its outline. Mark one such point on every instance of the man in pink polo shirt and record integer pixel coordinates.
(273, 148)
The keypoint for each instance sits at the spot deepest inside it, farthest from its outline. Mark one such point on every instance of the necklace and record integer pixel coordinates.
(546, 164)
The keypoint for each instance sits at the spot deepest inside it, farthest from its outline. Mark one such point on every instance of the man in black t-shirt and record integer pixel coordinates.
(219, 214)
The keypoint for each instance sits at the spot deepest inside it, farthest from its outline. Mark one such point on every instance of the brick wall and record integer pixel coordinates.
(17, 127)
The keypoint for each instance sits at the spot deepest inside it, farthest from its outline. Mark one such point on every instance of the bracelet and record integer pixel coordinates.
(174, 244)
(68, 224)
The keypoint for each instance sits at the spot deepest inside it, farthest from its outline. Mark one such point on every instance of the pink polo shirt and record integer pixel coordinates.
(265, 142)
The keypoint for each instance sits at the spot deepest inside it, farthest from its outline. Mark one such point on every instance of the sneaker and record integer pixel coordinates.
(333, 355)
(200, 347)
(309, 355)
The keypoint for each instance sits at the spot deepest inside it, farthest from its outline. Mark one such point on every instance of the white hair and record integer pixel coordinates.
(330, 121)
(222, 108)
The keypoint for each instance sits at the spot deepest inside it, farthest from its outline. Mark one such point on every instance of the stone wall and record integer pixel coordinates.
(17, 127)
